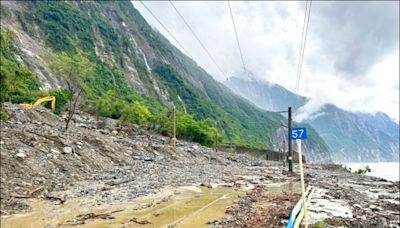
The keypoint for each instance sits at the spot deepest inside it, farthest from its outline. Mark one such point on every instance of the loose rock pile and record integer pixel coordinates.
(93, 155)
(99, 163)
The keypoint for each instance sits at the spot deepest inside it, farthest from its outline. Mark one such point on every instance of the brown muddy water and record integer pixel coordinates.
(189, 207)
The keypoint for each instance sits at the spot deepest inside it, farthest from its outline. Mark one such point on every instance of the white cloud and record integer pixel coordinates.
(352, 52)
(310, 110)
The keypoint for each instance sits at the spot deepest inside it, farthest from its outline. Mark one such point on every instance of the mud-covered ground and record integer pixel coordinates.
(97, 163)
(339, 199)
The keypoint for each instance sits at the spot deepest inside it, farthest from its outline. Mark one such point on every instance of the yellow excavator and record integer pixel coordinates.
(40, 101)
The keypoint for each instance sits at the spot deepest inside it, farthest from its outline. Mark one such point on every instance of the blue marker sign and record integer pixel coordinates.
(298, 133)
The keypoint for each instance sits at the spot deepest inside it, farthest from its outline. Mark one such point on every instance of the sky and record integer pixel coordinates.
(351, 57)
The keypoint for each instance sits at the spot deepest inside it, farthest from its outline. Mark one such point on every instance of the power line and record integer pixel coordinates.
(197, 38)
(301, 46)
(180, 45)
(304, 46)
(237, 37)
(303, 43)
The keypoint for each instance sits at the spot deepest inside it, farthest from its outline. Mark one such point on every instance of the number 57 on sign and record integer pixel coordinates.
(298, 133)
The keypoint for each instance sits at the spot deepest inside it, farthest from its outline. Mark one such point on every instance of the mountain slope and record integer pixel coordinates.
(265, 95)
(383, 122)
(134, 61)
(352, 136)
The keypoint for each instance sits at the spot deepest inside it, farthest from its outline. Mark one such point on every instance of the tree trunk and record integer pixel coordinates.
(72, 109)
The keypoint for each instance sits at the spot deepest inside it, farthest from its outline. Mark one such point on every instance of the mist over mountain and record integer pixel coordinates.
(352, 136)
(265, 95)
(107, 120)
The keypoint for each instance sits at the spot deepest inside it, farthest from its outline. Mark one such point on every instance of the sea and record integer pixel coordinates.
(386, 170)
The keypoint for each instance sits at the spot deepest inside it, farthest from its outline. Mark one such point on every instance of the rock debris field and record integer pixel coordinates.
(100, 165)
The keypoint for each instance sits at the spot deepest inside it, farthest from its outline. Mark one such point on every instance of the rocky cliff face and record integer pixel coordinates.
(352, 136)
(383, 122)
(132, 57)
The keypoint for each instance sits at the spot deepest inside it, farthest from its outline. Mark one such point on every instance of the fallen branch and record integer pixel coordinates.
(60, 198)
(20, 196)
(140, 222)
(29, 195)
(94, 216)
(119, 210)
(81, 219)
(35, 190)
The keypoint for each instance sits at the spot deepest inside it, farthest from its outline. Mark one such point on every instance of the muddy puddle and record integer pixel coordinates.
(188, 207)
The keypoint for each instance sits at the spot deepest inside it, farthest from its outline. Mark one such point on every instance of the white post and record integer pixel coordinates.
(303, 193)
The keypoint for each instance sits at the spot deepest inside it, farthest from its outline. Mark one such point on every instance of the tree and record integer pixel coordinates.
(136, 114)
(363, 171)
(76, 70)
(17, 82)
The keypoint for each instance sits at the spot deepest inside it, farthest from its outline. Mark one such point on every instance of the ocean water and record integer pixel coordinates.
(386, 170)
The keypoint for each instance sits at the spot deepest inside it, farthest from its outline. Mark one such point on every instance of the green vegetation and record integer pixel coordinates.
(321, 224)
(110, 105)
(76, 71)
(198, 131)
(71, 35)
(64, 26)
(19, 85)
(231, 151)
(239, 123)
(17, 82)
(363, 171)
(135, 113)
(177, 87)
(93, 51)
(239, 130)
(263, 157)
(62, 98)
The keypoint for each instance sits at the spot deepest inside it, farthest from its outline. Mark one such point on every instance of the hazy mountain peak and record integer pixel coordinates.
(247, 75)
(355, 136)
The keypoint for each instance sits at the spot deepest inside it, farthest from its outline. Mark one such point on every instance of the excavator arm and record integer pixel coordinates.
(40, 101)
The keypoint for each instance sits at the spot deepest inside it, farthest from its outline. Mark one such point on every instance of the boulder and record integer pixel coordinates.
(54, 151)
(21, 154)
(68, 150)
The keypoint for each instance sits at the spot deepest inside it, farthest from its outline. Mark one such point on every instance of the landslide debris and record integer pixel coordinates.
(93, 157)
(260, 208)
(96, 163)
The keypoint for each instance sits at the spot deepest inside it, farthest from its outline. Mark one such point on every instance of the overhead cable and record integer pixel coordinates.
(303, 43)
(197, 38)
(237, 37)
(166, 29)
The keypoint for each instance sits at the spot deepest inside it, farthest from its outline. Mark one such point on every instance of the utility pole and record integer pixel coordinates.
(284, 151)
(290, 157)
(216, 140)
(173, 141)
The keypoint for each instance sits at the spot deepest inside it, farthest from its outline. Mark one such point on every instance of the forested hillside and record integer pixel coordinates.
(354, 136)
(128, 71)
